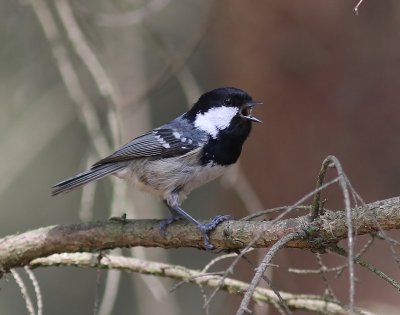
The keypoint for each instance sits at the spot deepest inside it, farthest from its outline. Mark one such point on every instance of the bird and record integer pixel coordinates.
(181, 155)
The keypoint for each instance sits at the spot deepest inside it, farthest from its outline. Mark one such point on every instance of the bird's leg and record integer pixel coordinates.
(205, 228)
(165, 223)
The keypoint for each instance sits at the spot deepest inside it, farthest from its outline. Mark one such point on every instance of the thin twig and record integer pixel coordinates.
(272, 210)
(204, 296)
(366, 246)
(365, 264)
(316, 271)
(328, 288)
(282, 307)
(343, 182)
(219, 258)
(392, 243)
(316, 205)
(378, 224)
(263, 266)
(24, 292)
(36, 287)
(357, 6)
(337, 269)
(204, 272)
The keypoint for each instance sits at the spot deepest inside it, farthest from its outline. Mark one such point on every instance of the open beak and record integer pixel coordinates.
(247, 109)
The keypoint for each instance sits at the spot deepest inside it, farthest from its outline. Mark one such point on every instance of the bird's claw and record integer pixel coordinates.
(206, 228)
(165, 223)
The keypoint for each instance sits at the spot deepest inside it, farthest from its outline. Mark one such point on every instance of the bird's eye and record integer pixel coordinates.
(228, 101)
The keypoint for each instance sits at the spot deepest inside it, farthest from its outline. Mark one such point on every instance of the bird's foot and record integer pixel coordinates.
(206, 228)
(165, 223)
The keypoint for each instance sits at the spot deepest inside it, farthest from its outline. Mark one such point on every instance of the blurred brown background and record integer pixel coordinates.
(330, 83)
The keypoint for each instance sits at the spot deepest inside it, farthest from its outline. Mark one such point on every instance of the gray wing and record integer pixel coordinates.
(161, 142)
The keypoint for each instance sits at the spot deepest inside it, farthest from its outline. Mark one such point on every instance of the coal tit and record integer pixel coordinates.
(189, 151)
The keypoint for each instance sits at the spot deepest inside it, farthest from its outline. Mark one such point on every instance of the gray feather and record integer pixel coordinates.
(81, 179)
(159, 143)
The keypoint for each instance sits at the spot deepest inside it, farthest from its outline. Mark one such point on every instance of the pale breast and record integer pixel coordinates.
(163, 177)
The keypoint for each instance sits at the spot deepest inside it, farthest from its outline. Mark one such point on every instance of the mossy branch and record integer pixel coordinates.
(18, 250)
(308, 302)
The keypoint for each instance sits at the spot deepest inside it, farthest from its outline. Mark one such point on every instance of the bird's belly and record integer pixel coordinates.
(166, 176)
(200, 176)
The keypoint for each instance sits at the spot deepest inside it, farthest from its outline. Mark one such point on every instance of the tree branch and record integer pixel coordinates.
(326, 230)
(307, 302)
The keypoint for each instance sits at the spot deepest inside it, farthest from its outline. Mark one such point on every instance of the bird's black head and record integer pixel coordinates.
(225, 116)
(218, 109)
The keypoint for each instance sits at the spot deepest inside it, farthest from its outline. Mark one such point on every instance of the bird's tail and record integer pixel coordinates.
(81, 179)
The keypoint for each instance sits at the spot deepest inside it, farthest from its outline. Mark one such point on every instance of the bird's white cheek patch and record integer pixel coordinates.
(215, 119)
